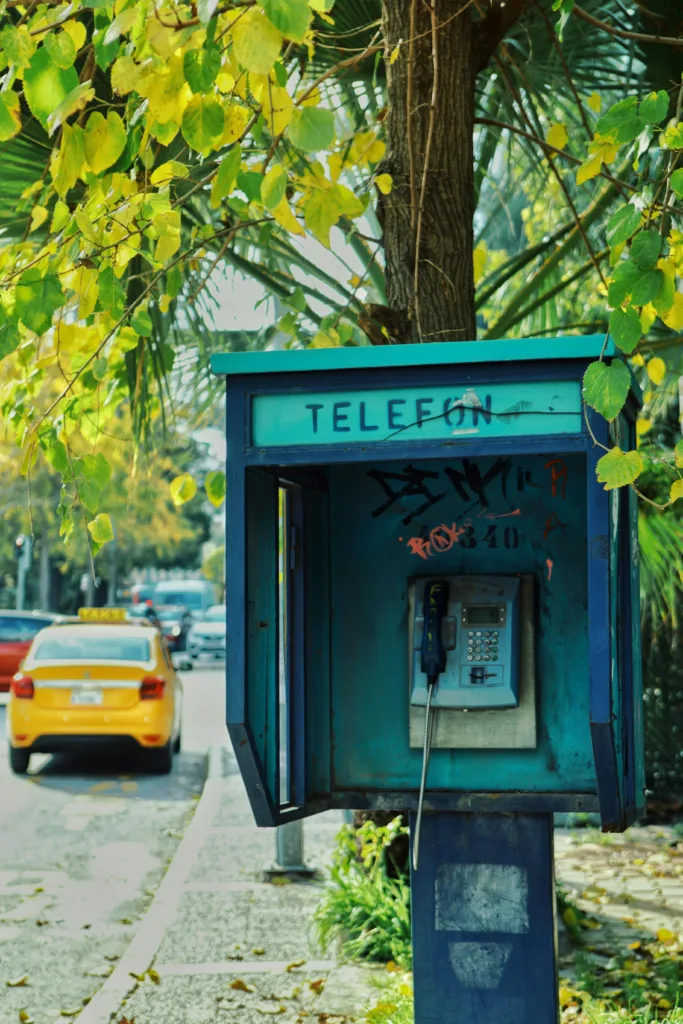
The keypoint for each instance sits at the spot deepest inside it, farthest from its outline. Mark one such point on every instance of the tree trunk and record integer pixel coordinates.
(427, 217)
(44, 574)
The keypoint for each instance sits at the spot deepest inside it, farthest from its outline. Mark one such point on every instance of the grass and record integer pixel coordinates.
(367, 908)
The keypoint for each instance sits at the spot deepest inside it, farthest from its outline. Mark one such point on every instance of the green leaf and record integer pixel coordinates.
(623, 224)
(224, 181)
(202, 123)
(46, 85)
(105, 52)
(624, 278)
(96, 469)
(297, 300)
(678, 453)
(10, 115)
(647, 287)
(141, 322)
(292, 17)
(654, 107)
(201, 67)
(273, 187)
(9, 336)
(645, 249)
(624, 326)
(618, 468)
(673, 136)
(111, 297)
(99, 368)
(676, 182)
(312, 129)
(621, 122)
(250, 183)
(183, 488)
(101, 530)
(37, 298)
(56, 455)
(75, 100)
(326, 5)
(214, 485)
(606, 387)
(61, 48)
(104, 140)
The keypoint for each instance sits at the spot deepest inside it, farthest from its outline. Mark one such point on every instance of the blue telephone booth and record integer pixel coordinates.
(433, 605)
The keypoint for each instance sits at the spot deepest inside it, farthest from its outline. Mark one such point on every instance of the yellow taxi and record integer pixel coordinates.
(101, 683)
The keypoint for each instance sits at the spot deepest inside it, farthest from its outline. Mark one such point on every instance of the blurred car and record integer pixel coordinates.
(141, 592)
(195, 595)
(207, 636)
(175, 625)
(144, 611)
(95, 686)
(17, 630)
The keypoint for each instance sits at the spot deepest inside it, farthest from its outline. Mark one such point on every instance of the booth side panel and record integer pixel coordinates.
(638, 729)
(262, 625)
(317, 677)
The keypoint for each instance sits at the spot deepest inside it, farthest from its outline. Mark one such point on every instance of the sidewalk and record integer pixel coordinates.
(221, 943)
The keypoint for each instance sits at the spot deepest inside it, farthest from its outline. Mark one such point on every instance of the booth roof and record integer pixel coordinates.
(446, 353)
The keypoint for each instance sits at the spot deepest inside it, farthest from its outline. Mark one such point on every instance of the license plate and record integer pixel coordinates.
(90, 698)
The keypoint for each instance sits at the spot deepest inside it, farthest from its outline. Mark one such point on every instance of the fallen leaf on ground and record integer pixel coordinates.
(317, 986)
(154, 976)
(241, 986)
(71, 1013)
(258, 951)
(17, 982)
(294, 964)
(25, 1017)
(269, 1008)
(280, 880)
(138, 977)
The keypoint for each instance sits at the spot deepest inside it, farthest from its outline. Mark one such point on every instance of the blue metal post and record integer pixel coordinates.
(483, 910)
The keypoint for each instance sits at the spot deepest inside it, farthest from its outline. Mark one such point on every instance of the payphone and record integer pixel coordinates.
(449, 623)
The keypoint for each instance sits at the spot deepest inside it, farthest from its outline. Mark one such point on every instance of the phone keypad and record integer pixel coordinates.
(482, 645)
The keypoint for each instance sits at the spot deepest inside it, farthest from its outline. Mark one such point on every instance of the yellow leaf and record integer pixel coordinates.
(326, 339)
(665, 936)
(256, 42)
(648, 315)
(674, 318)
(101, 530)
(85, 283)
(384, 183)
(164, 303)
(167, 92)
(38, 216)
(167, 227)
(183, 489)
(161, 38)
(557, 136)
(309, 99)
(241, 986)
(589, 169)
(277, 108)
(664, 1004)
(656, 370)
(637, 358)
(642, 426)
(124, 75)
(480, 257)
(236, 121)
(286, 219)
(166, 172)
(104, 140)
(594, 102)
(676, 493)
(77, 31)
(395, 52)
(10, 115)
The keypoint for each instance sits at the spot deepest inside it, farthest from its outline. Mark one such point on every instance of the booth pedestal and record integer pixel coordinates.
(483, 913)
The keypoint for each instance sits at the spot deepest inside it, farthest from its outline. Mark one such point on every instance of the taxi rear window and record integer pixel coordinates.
(92, 648)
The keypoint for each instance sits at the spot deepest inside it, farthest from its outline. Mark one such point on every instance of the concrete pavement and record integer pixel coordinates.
(83, 847)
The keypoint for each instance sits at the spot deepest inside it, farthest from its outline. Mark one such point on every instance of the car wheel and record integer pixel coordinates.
(177, 743)
(19, 758)
(161, 760)
(188, 665)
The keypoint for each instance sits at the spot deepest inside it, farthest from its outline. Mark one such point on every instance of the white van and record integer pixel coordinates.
(196, 595)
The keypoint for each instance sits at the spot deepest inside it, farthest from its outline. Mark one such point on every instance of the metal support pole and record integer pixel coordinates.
(21, 585)
(483, 911)
(289, 852)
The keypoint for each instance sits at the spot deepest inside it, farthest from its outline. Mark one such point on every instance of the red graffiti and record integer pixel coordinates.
(552, 523)
(549, 563)
(558, 470)
(503, 515)
(441, 538)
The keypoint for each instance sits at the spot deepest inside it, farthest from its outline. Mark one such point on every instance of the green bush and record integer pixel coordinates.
(367, 907)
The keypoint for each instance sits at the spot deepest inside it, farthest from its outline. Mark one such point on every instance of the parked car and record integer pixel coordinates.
(175, 626)
(146, 610)
(207, 636)
(17, 630)
(141, 592)
(195, 595)
(93, 686)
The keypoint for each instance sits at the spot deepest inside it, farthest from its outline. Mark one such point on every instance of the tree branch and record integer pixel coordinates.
(623, 33)
(490, 32)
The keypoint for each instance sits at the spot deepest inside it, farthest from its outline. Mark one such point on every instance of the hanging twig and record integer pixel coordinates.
(409, 120)
(623, 33)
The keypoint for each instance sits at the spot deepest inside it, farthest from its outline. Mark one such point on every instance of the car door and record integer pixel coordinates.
(16, 634)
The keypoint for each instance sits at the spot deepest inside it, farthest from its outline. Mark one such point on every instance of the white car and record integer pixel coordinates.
(207, 636)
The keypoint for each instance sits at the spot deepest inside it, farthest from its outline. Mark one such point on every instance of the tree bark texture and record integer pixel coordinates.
(427, 217)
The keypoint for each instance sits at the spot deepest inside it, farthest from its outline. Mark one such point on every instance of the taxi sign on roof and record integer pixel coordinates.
(102, 614)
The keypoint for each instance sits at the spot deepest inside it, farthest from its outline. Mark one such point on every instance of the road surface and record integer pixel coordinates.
(82, 849)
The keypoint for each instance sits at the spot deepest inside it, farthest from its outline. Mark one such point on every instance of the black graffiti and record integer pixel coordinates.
(414, 484)
(471, 477)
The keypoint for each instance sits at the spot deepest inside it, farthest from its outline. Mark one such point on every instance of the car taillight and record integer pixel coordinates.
(22, 686)
(152, 688)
